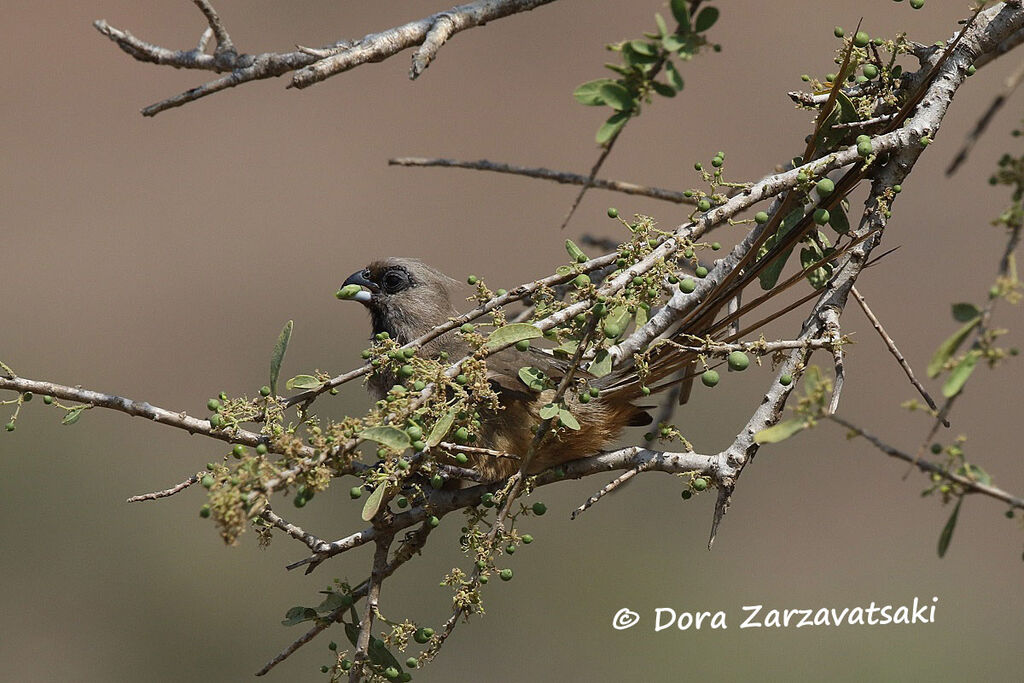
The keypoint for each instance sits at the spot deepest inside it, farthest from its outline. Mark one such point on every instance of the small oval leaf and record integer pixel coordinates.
(947, 531)
(372, 504)
(780, 432)
(949, 346)
(616, 96)
(278, 355)
(963, 312)
(706, 18)
(302, 382)
(568, 419)
(71, 417)
(549, 411)
(589, 92)
(533, 378)
(960, 374)
(442, 426)
(510, 334)
(601, 365)
(392, 437)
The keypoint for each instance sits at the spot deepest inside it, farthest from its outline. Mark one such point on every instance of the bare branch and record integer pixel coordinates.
(156, 495)
(224, 44)
(563, 177)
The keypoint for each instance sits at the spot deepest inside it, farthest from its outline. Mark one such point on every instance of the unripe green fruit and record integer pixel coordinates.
(402, 502)
(433, 521)
(699, 484)
(239, 451)
(539, 508)
(870, 71)
(717, 162)
(715, 246)
(467, 328)
(738, 360)
(27, 396)
(613, 212)
(461, 434)
(861, 39)
(415, 432)
(510, 549)
(365, 354)
(48, 400)
(821, 216)
(204, 511)
(261, 449)
(825, 187)
(522, 345)
(582, 280)
(594, 392)
(472, 279)
(936, 448)
(406, 371)
(348, 291)
(437, 481)
(703, 205)
(864, 148)
(461, 379)
(527, 539)
(971, 70)
(412, 662)
(356, 492)
(506, 574)
(700, 271)
(207, 481)
(461, 458)
(420, 636)
(646, 391)
(709, 378)
(687, 285)
(213, 404)
(916, 4)
(838, 32)
(10, 426)
(332, 646)
(761, 217)
(391, 673)
(786, 380)
(324, 669)
(501, 292)
(264, 391)
(686, 495)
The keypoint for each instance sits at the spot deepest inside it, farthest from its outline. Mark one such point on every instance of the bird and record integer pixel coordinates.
(407, 298)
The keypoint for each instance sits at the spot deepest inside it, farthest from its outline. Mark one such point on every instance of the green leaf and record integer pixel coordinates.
(616, 321)
(442, 426)
(568, 419)
(663, 89)
(302, 382)
(510, 334)
(616, 96)
(706, 18)
(278, 355)
(297, 615)
(575, 253)
(960, 374)
(662, 26)
(644, 48)
(962, 312)
(673, 43)
(610, 127)
(372, 504)
(601, 365)
(947, 531)
(681, 12)
(771, 272)
(566, 349)
(838, 220)
(949, 347)
(392, 437)
(976, 473)
(332, 602)
(781, 431)
(352, 632)
(549, 411)
(381, 656)
(641, 317)
(589, 92)
(533, 378)
(71, 417)
(675, 79)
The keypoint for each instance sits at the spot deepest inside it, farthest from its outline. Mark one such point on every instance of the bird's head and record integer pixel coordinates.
(405, 297)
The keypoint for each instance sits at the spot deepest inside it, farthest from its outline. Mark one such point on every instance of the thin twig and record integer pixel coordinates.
(563, 177)
(156, 495)
(611, 486)
(891, 345)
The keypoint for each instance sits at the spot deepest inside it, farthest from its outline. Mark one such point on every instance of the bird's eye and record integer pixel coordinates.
(395, 280)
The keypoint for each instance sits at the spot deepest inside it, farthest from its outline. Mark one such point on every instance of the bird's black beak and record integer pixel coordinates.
(352, 287)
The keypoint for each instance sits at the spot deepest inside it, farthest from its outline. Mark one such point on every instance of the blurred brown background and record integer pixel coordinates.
(159, 258)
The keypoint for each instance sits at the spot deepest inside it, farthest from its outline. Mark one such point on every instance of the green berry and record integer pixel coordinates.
(461, 458)
(703, 204)
(699, 484)
(830, 78)
(324, 669)
(207, 481)
(522, 345)
(506, 574)
(613, 212)
(838, 32)
(461, 435)
(433, 521)
(27, 396)
(1009, 514)
(687, 285)
(261, 449)
(861, 39)
(467, 328)
(717, 162)
(204, 511)
(415, 432)
(916, 4)
(461, 379)
(936, 448)
(437, 482)
(870, 71)
(402, 502)
(700, 271)
(821, 216)
(348, 291)
(527, 539)
(391, 673)
(698, 167)
(686, 495)
(412, 662)
(539, 508)
(971, 70)
(646, 391)
(715, 246)
(761, 217)
(510, 549)
(825, 187)
(239, 451)
(365, 354)
(897, 189)
(420, 636)
(709, 378)
(501, 292)
(356, 492)
(213, 405)
(786, 380)
(406, 371)
(582, 280)
(595, 392)
(738, 361)
(48, 400)
(864, 148)
(472, 279)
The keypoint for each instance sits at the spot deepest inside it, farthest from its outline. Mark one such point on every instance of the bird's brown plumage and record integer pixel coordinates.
(408, 298)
